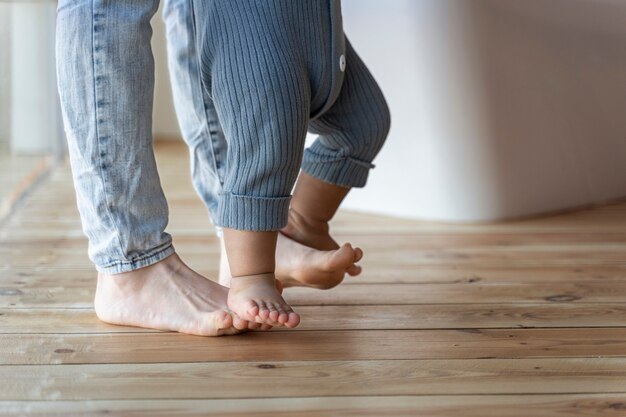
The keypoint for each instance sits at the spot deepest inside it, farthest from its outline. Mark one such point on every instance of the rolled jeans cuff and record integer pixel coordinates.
(344, 171)
(151, 257)
(253, 213)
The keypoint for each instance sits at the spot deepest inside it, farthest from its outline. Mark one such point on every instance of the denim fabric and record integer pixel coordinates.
(195, 110)
(240, 74)
(105, 71)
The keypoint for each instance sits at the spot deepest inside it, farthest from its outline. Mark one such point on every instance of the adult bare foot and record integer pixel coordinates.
(298, 265)
(257, 299)
(169, 296)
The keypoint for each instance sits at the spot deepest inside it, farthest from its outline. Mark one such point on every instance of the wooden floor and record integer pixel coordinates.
(517, 319)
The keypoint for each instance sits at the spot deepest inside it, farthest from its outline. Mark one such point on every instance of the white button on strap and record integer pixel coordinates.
(342, 63)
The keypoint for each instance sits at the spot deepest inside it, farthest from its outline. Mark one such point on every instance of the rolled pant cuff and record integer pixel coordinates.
(253, 213)
(153, 256)
(343, 171)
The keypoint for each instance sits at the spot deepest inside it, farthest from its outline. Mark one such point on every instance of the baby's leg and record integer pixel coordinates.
(314, 204)
(296, 264)
(259, 84)
(253, 294)
(351, 133)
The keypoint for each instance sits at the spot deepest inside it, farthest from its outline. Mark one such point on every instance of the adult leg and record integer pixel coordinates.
(351, 133)
(105, 71)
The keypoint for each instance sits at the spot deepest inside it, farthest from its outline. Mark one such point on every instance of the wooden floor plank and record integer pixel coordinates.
(40, 292)
(391, 317)
(311, 346)
(438, 245)
(315, 378)
(563, 405)
(373, 274)
(468, 292)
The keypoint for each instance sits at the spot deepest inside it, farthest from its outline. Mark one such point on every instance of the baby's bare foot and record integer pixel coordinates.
(298, 265)
(255, 298)
(315, 234)
(167, 296)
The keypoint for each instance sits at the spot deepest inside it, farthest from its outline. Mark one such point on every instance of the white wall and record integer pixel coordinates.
(424, 56)
(500, 108)
(35, 123)
(164, 124)
(5, 76)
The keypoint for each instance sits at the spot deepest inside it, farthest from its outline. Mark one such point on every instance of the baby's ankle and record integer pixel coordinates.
(300, 223)
(245, 281)
(309, 231)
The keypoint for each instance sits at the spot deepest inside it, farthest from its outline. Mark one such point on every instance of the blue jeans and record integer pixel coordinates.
(243, 115)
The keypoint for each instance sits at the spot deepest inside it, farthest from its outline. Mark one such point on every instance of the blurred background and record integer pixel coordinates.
(500, 108)
(31, 133)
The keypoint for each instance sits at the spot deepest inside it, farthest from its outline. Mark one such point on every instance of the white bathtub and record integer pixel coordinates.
(500, 108)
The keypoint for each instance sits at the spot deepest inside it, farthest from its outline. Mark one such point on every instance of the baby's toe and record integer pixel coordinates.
(358, 254)
(293, 319)
(274, 313)
(264, 311)
(354, 270)
(252, 308)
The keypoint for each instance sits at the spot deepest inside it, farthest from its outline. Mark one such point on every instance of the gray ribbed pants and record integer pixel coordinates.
(273, 69)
